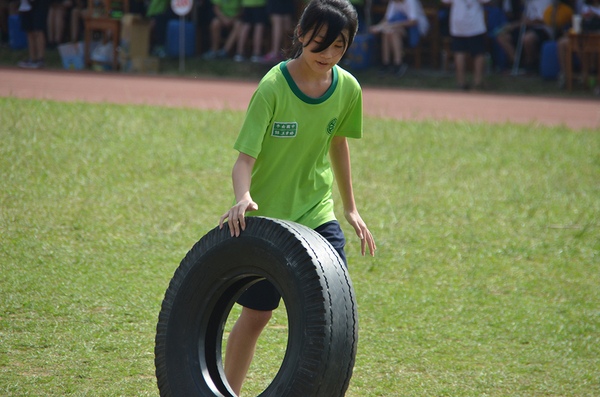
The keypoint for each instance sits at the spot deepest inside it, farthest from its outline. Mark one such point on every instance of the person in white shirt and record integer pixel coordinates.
(467, 28)
(403, 24)
(536, 32)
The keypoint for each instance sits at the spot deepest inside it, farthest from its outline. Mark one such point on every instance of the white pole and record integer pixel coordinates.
(515, 69)
(181, 44)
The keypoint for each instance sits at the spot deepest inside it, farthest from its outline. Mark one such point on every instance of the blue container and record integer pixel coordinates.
(496, 19)
(360, 54)
(17, 39)
(549, 64)
(173, 38)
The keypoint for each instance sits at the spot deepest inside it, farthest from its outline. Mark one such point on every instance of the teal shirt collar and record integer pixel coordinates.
(302, 96)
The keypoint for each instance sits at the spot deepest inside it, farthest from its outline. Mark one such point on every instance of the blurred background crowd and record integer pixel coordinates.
(469, 38)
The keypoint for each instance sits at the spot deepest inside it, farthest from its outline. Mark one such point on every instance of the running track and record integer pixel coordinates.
(235, 94)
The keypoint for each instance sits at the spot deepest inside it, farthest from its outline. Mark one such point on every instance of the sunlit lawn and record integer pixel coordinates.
(486, 281)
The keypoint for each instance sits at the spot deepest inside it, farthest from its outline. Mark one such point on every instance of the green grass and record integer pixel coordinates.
(485, 282)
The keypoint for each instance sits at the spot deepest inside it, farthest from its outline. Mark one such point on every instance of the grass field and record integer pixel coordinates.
(486, 281)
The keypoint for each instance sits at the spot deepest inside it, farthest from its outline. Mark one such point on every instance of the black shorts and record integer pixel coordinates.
(36, 19)
(264, 296)
(254, 15)
(280, 7)
(475, 45)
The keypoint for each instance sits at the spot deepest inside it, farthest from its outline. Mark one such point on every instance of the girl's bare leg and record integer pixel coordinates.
(241, 345)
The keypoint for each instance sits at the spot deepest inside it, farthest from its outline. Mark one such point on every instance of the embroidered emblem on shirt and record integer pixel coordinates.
(284, 130)
(331, 126)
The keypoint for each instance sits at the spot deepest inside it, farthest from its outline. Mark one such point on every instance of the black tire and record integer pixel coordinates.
(315, 286)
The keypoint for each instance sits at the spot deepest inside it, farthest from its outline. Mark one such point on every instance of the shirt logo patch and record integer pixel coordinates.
(331, 126)
(284, 130)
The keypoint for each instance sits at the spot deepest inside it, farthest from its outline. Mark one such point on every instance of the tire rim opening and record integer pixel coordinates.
(270, 349)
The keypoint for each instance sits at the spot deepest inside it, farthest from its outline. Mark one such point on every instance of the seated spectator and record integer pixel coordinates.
(589, 10)
(226, 16)
(403, 24)
(34, 17)
(467, 28)
(280, 13)
(536, 32)
(254, 16)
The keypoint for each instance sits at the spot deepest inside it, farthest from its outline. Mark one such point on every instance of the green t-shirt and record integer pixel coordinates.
(229, 7)
(289, 135)
(254, 3)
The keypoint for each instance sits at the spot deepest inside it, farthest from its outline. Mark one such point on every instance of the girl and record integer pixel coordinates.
(302, 110)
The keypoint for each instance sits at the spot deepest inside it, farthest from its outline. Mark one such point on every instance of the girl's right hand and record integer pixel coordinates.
(236, 216)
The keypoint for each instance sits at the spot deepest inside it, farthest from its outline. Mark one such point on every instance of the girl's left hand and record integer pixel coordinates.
(362, 231)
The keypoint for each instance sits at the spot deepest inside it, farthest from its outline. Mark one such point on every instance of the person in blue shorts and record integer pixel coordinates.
(291, 145)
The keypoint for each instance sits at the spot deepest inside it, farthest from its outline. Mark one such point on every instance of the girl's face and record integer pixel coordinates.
(322, 62)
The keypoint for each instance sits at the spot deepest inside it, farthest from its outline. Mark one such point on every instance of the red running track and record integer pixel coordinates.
(235, 94)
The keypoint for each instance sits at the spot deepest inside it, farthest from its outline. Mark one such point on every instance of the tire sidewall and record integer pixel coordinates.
(217, 271)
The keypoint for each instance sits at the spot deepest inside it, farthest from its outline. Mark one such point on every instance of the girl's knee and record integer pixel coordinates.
(256, 319)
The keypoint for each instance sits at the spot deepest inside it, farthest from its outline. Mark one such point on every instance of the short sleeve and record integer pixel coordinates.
(351, 126)
(257, 121)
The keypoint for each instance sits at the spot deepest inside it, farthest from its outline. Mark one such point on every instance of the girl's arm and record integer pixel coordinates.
(241, 176)
(339, 155)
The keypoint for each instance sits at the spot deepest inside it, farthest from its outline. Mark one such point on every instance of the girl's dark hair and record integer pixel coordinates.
(338, 15)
